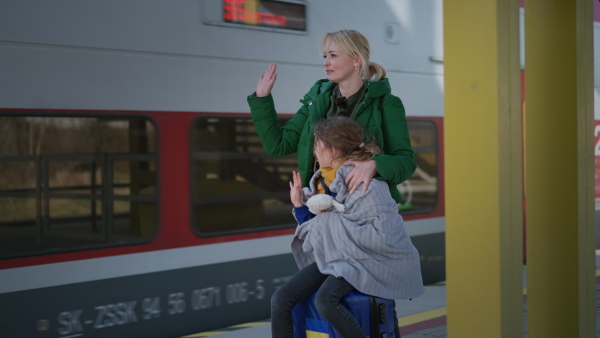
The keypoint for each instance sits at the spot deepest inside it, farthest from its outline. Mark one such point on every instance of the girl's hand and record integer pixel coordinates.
(296, 189)
(362, 173)
(266, 81)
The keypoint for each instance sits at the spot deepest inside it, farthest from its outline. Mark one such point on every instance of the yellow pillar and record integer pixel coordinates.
(559, 168)
(483, 168)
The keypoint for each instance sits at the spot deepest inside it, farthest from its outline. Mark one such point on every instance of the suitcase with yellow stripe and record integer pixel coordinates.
(375, 316)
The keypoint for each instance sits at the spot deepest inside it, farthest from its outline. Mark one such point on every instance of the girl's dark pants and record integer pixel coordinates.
(327, 302)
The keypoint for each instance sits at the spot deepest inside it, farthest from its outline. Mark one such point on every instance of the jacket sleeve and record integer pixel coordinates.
(302, 214)
(277, 140)
(397, 163)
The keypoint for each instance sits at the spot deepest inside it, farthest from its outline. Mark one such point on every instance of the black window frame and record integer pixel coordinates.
(436, 151)
(108, 199)
(196, 228)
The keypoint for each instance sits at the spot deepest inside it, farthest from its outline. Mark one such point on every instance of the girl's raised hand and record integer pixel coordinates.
(296, 189)
(266, 81)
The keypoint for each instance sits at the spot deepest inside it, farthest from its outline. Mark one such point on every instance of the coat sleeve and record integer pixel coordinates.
(397, 163)
(302, 214)
(277, 140)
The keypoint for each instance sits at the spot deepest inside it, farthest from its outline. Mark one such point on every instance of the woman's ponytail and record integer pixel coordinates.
(376, 72)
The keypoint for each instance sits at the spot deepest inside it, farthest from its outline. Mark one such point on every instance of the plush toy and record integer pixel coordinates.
(323, 202)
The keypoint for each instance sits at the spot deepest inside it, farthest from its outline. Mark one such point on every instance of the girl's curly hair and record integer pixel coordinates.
(347, 136)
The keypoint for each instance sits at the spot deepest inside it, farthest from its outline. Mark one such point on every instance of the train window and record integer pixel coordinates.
(420, 192)
(274, 15)
(236, 186)
(75, 182)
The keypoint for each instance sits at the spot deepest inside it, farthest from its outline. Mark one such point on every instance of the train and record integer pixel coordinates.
(135, 196)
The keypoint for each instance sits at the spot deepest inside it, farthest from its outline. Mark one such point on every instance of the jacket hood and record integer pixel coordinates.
(379, 88)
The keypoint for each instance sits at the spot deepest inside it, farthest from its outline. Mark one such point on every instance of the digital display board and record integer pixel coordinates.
(266, 13)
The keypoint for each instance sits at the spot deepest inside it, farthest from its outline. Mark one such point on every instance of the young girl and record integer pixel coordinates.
(363, 248)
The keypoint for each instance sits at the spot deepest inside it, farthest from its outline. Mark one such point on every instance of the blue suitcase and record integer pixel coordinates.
(375, 316)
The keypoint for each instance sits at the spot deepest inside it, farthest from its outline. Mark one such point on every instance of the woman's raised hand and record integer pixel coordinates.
(266, 81)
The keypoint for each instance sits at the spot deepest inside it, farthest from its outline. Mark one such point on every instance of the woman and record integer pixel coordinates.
(355, 88)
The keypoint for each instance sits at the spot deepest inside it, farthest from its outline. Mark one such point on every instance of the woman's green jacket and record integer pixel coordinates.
(388, 127)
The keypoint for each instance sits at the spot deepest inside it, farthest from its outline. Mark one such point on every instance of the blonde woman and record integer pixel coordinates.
(355, 87)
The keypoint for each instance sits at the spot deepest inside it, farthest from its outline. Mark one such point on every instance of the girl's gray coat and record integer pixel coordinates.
(366, 244)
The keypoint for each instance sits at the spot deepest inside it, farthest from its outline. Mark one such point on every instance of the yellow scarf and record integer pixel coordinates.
(328, 174)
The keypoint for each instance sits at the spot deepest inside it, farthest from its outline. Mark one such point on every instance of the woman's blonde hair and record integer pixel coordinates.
(357, 45)
(347, 136)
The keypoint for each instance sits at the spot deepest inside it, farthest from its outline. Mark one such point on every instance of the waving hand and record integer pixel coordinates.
(266, 81)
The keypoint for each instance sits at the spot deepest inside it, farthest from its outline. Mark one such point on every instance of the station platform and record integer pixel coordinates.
(422, 317)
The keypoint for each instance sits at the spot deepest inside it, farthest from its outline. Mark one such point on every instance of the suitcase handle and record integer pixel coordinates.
(382, 313)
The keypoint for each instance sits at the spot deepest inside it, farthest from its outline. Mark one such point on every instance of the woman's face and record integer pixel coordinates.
(323, 155)
(339, 65)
